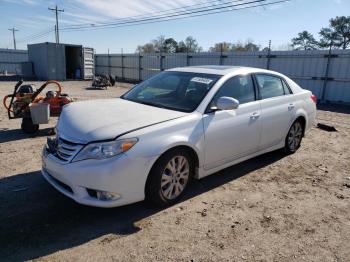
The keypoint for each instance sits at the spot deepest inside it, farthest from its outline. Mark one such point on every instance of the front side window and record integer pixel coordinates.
(181, 91)
(238, 87)
(270, 86)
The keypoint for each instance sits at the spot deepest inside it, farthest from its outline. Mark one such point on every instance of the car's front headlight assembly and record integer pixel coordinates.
(105, 149)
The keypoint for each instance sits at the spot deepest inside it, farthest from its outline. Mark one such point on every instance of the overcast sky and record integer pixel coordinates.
(279, 23)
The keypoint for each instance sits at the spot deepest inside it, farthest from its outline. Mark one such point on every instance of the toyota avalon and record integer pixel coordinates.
(181, 124)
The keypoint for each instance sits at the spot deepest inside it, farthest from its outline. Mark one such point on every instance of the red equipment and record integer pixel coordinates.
(25, 96)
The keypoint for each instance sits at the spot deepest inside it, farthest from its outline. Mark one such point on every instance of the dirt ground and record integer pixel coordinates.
(270, 208)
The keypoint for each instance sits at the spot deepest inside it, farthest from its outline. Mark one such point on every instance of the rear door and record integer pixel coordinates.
(277, 109)
(88, 63)
(232, 134)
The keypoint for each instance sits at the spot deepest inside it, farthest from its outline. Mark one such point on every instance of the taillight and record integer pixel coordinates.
(314, 98)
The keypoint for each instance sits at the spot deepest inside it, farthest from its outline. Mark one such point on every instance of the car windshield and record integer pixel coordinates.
(181, 91)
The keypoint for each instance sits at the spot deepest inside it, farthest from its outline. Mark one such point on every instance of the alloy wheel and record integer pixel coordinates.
(175, 177)
(295, 135)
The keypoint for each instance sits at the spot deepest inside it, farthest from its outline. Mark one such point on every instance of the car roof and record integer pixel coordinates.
(220, 70)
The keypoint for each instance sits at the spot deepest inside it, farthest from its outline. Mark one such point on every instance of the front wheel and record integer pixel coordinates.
(294, 137)
(169, 177)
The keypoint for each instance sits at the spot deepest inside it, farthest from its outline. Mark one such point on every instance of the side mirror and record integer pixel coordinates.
(227, 103)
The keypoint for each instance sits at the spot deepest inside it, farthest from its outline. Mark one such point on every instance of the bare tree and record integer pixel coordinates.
(223, 46)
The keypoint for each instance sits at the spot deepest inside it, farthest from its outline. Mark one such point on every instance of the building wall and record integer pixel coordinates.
(10, 60)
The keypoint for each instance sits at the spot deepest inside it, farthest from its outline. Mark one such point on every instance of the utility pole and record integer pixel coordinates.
(57, 32)
(14, 37)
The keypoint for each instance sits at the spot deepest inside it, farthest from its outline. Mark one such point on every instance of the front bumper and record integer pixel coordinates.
(122, 175)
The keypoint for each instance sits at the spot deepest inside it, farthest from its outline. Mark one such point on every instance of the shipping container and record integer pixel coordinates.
(53, 61)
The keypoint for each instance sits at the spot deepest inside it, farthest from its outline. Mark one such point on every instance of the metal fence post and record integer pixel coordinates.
(221, 58)
(324, 86)
(268, 56)
(109, 63)
(122, 66)
(140, 68)
(161, 61)
(187, 58)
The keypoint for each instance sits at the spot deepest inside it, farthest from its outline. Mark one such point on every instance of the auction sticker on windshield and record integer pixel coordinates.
(202, 80)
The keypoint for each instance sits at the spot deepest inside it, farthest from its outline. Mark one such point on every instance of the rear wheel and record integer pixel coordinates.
(28, 126)
(169, 177)
(294, 137)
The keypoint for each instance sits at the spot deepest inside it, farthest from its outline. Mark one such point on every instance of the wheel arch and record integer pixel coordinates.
(190, 149)
(302, 120)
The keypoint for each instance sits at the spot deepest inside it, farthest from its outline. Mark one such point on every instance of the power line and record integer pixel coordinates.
(164, 12)
(36, 35)
(177, 16)
(40, 34)
(14, 36)
(56, 28)
(195, 10)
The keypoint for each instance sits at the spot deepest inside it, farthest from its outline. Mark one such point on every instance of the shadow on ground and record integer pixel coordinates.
(95, 88)
(36, 220)
(337, 108)
(8, 135)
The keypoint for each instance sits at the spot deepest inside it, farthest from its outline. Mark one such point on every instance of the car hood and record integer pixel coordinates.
(95, 120)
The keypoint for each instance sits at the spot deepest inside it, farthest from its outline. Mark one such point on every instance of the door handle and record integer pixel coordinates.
(254, 115)
(291, 106)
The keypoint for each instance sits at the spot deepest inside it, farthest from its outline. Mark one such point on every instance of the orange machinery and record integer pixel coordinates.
(26, 96)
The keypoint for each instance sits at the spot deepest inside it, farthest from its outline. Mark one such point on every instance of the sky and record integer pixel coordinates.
(278, 23)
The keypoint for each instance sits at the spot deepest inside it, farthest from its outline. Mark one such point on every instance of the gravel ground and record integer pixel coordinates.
(270, 208)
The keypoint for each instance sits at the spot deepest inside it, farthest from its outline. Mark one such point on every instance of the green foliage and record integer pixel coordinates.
(239, 46)
(170, 45)
(223, 46)
(337, 34)
(304, 41)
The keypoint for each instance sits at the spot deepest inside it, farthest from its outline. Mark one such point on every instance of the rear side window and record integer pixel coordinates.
(238, 87)
(286, 88)
(270, 86)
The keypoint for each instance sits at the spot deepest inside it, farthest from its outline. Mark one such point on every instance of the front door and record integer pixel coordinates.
(232, 134)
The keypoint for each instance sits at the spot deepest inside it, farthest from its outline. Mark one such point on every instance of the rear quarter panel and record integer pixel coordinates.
(305, 107)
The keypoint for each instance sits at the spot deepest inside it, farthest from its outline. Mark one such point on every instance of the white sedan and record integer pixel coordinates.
(182, 124)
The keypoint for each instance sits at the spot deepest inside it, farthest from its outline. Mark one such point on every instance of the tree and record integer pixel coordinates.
(159, 43)
(192, 45)
(238, 47)
(247, 46)
(329, 38)
(250, 46)
(181, 47)
(146, 48)
(305, 41)
(221, 47)
(170, 45)
(338, 33)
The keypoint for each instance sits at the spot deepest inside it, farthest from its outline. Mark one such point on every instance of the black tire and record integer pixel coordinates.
(294, 137)
(154, 191)
(112, 80)
(28, 127)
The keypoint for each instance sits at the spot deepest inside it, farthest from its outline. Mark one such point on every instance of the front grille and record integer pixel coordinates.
(67, 150)
(63, 149)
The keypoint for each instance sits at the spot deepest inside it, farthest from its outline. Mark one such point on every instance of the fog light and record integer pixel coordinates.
(106, 196)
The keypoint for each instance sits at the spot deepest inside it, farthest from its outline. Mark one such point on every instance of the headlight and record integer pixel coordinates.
(105, 150)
